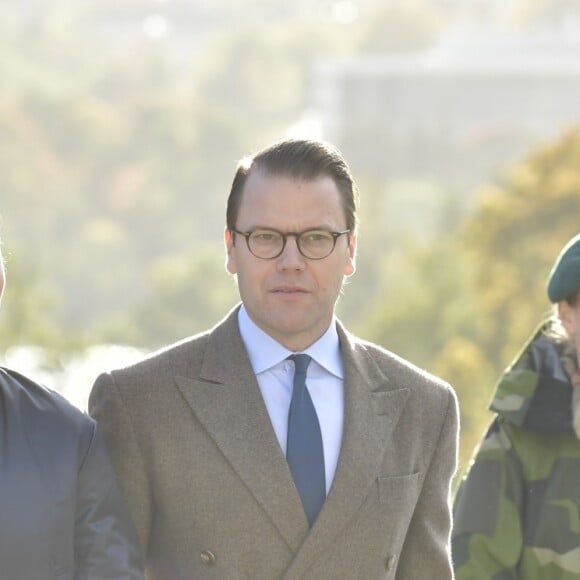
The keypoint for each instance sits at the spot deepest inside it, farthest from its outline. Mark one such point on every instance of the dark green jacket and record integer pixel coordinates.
(517, 512)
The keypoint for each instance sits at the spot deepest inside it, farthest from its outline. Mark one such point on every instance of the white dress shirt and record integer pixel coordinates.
(324, 379)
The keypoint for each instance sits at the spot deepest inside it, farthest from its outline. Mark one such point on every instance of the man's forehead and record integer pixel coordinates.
(258, 177)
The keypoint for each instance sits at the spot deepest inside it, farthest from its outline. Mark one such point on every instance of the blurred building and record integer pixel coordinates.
(456, 115)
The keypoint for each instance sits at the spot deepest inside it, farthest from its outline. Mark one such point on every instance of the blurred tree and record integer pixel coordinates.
(462, 304)
(513, 238)
(26, 306)
(465, 365)
(190, 293)
(511, 241)
(27, 314)
(427, 314)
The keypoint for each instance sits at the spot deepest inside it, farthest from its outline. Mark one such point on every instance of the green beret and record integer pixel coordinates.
(564, 279)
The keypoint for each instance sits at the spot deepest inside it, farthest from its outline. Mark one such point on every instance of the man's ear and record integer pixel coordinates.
(229, 244)
(350, 265)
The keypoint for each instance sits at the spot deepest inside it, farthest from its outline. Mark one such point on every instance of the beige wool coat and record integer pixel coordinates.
(212, 496)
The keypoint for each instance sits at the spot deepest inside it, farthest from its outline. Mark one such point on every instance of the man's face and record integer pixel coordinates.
(290, 297)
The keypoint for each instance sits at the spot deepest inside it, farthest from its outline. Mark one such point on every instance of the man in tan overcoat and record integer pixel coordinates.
(277, 445)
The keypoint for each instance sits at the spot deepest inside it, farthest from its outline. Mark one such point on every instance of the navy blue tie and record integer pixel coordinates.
(304, 452)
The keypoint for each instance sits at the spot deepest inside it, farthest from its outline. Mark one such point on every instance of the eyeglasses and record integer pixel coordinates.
(312, 244)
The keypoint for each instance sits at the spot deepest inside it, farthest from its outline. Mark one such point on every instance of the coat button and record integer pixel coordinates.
(207, 557)
(390, 562)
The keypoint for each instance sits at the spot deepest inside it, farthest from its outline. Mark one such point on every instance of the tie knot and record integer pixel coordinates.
(301, 362)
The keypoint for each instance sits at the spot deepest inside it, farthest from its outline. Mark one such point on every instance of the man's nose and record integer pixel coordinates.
(291, 258)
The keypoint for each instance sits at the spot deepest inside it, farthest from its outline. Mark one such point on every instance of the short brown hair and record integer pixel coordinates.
(299, 159)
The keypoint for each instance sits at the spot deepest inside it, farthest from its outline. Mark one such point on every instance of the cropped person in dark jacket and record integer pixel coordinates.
(61, 513)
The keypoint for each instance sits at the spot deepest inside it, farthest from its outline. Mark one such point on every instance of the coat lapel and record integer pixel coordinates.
(372, 409)
(227, 401)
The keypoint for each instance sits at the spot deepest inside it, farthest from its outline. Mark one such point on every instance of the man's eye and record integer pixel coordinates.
(316, 236)
(265, 236)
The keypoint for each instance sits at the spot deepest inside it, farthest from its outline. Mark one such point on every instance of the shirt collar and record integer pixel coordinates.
(265, 352)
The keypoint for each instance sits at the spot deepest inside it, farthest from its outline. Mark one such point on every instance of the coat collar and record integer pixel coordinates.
(226, 399)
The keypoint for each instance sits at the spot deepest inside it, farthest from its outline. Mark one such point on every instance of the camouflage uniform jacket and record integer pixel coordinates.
(517, 512)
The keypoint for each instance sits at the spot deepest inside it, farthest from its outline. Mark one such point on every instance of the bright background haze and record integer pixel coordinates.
(121, 122)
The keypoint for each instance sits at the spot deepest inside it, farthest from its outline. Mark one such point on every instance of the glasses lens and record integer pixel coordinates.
(265, 243)
(316, 244)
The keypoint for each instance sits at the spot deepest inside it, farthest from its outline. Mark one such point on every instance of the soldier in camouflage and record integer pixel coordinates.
(517, 511)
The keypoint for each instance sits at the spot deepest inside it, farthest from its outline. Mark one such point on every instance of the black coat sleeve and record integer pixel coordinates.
(106, 545)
